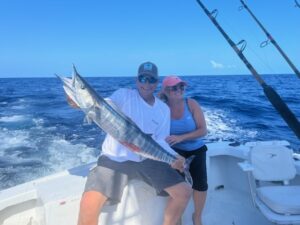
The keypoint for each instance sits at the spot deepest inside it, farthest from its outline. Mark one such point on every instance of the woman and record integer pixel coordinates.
(187, 127)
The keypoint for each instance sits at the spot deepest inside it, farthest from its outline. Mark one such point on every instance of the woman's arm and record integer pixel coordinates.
(199, 120)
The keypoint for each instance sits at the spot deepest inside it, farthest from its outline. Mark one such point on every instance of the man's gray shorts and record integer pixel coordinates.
(111, 177)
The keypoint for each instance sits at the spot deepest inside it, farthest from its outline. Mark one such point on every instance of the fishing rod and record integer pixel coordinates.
(297, 4)
(270, 93)
(271, 39)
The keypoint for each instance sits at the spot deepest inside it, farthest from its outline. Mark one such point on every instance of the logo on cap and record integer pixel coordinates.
(148, 66)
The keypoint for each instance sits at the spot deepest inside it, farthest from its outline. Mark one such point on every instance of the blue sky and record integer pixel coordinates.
(111, 38)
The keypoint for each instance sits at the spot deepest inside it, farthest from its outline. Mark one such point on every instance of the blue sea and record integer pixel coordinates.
(40, 134)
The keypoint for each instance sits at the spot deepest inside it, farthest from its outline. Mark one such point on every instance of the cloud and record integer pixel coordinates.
(216, 65)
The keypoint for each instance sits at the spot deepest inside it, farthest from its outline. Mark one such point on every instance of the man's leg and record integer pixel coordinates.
(90, 207)
(104, 183)
(179, 197)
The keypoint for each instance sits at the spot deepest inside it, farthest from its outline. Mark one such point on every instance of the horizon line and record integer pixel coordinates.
(117, 76)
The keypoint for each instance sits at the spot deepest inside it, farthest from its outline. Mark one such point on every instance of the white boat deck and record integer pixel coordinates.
(55, 199)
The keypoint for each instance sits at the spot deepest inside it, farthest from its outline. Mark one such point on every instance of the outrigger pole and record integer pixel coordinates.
(271, 39)
(271, 94)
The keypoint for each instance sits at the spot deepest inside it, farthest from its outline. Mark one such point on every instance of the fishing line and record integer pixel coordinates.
(250, 48)
(260, 57)
(281, 107)
(271, 39)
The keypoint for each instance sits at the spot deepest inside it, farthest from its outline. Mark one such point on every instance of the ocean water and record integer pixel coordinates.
(40, 134)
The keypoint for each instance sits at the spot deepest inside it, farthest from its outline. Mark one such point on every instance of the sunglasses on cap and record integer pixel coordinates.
(180, 87)
(143, 79)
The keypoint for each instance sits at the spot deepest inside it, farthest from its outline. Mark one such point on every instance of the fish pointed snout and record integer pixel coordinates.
(74, 69)
(59, 77)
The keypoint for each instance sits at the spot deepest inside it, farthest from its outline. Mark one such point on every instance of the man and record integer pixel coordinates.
(117, 164)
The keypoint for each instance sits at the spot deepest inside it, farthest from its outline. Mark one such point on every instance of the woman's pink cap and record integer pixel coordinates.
(170, 81)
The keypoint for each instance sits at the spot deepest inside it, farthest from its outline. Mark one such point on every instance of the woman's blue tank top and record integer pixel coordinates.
(184, 125)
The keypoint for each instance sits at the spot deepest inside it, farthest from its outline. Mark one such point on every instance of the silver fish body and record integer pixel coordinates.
(114, 122)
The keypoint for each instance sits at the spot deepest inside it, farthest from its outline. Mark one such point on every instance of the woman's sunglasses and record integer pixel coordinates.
(143, 79)
(175, 88)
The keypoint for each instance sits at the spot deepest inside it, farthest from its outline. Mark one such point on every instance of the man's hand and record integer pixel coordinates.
(71, 102)
(179, 163)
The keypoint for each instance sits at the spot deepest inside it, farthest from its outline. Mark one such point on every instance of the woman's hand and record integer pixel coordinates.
(174, 139)
(179, 163)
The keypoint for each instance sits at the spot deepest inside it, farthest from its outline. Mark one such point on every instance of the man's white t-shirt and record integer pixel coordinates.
(151, 119)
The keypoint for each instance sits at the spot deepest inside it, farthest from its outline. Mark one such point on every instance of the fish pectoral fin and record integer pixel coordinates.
(87, 119)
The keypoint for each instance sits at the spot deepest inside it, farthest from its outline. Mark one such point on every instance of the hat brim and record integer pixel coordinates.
(175, 82)
(147, 74)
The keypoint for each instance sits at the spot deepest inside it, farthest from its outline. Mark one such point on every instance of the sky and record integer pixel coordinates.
(111, 38)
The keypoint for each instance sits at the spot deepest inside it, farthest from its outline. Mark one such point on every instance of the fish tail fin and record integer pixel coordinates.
(187, 174)
(87, 120)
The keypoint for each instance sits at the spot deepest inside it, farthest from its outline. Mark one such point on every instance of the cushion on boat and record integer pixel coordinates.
(273, 163)
(281, 199)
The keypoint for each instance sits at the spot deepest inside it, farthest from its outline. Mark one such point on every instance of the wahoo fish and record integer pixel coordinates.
(115, 123)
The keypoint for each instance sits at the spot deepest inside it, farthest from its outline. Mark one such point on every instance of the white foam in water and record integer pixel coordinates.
(21, 100)
(20, 104)
(18, 107)
(61, 155)
(13, 118)
(65, 155)
(13, 139)
(38, 121)
(221, 127)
